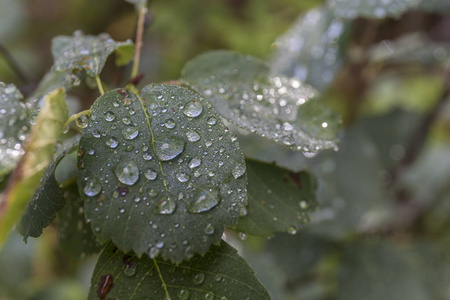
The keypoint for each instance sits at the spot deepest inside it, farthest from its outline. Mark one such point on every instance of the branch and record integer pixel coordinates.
(138, 46)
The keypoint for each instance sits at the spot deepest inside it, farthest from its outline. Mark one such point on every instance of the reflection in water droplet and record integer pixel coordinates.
(292, 230)
(152, 192)
(166, 206)
(211, 121)
(209, 296)
(183, 295)
(194, 162)
(169, 148)
(112, 142)
(199, 278)
(193, 109)
(153, 252)
(126, 121)
(170, 123)
(150, 174)
(204, 201)
(209, 229)
(238, 171)
(192, 136)
(82, 121)
(127, 172)
(242, 236)
(183, 177)
(92, 187)
(147, 156)
(130, 133)
(109, 116)
(130, 267)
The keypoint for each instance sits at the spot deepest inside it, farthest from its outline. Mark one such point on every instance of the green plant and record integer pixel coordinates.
(162, 171)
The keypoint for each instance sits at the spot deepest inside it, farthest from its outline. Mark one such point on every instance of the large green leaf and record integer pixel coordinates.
(74, 232)
(14, 126)
(87, 53)
(160, 173)
(375, 270)
(279, 200)
(39, 150)
(48, 198)
(377, 9)
(244, 92)
(219, 274)
(311, 49)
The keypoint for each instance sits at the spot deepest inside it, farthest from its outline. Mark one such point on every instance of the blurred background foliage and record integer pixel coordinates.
(382, 229)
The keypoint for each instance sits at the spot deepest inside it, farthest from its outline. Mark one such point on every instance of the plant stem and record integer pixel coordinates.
(14, 65)
(99, 85)
(76, 116)
(138, 46)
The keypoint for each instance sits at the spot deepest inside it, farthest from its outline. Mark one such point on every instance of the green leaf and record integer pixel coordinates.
(219, 274)
(244, 92)
(48, 198)
(74, 232)
(312, 48)
(14, 126)
(39, 150)
(138, 3)
(87, 53)
(279, 200)
(160, 173)
(377, 9)
(377, 270)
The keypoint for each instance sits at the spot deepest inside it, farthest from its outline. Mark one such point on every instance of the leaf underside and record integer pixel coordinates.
(244, 92)
(279, 200)
(220, 274)
(163, 175)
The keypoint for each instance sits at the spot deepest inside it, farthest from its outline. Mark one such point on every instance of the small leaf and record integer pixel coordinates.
(14, 126)
(39, 151)
(279, 200)
(312, 48)
(157, 170)
(377, 9)
(138, 3)
(48, 198)
(74, 232)
(87, 53)
(220, 274)
(244, 92)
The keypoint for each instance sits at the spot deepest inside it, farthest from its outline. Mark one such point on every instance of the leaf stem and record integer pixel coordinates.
(99, 85)
(139, 33)
(76, 116)
(13, 63)
(162, 279)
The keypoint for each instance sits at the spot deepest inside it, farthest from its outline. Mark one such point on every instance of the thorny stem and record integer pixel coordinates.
(76, 116)
(99, 85)
(139, 33)
(14, 64)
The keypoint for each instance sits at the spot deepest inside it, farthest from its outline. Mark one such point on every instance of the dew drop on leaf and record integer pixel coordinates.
(183, 177)
(209, 296)
(130, 267)
(166, 206)
(130, 133)
(204, 201)
(112, 142)
(170, 123)
(194, 162)
(169, 148)
(126, 121)
(82, 121)
(127, 172)
(199, 278)
(242, 236)
(184, 295)
(238, 171)
(211, 121)
(209, 229)
(192, 136)
(150, 174)
(153, 252)
(152, 193)
(193, 109)
(292, 230)
(109, 116)
(92, 187)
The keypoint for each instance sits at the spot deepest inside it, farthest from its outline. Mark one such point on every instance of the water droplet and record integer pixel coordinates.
(127, 172)
(96, 134)
(153, 252)
(204, 201)
(112, 142)
(170, 123)
(152, 193)
(147, 156)
(91, 151)
(183, 177)
(194, 162)
(92, 187)
(169, 148)
(303, 204)
(192, 136)
(130, 133)
(199, 278)
(82, 121)
(242, 236)
(166, 206)
(130, 267)
(209, 296)
(150, 174)
(209, 229)
(292, 230)
(109, 116)
(184, 295)
(217, 277)
(211, 121)
(238, 171)
(193, 109)
(73, 80)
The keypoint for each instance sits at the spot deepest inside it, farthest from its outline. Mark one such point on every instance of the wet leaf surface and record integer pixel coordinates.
(148, 184)
(244, 92)
(220, 274)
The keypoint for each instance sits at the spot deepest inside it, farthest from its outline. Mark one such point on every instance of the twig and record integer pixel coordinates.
(14, 65)
(99, 85)
(138, 46)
